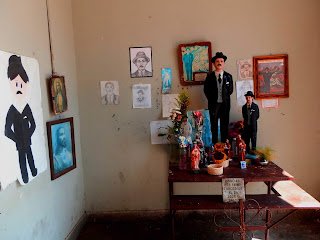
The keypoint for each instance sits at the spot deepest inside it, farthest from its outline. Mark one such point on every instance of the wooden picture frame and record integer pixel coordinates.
(140, 62)
(270, 76)
(58, 94)
(61, 147)
(194, 62)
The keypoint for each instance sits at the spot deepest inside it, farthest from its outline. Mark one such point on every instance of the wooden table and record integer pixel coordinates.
(269, 174)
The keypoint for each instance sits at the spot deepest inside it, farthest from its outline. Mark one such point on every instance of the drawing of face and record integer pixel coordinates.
(62, 137)
(109, 87)
(19, 88)
(140, 95)
(219, 64)
(141, 63)
(246, 66)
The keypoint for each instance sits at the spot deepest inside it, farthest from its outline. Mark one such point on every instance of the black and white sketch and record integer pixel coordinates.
(109, 92)
(243, 87)
(140, 62)
(141, 95)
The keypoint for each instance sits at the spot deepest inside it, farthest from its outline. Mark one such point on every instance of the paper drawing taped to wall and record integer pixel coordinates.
(21, 120)
(141, 95)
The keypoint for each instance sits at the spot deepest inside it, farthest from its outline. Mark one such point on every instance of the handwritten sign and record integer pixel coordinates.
(233, 189)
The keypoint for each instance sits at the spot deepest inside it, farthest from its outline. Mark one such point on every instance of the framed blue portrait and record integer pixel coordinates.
(61, 147)
(194, 62)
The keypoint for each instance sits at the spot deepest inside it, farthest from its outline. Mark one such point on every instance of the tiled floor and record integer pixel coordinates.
(198, 226)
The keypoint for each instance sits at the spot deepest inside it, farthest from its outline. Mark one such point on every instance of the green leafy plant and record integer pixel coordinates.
(178, 116)
(265, 153)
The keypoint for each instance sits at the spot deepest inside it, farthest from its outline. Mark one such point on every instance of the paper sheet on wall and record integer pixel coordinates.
(22, 95)
(242, 87)
(270, 103)
(245, 69)
(109, 91)
(141, 95)
(169, 102)
(159, 131)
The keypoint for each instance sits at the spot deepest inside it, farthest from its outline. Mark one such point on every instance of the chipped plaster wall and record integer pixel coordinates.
(43, 209)
(123, 171)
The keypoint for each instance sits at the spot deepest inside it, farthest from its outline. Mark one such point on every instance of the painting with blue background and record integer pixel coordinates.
(206, 129)
(62, 146)
(166, 75)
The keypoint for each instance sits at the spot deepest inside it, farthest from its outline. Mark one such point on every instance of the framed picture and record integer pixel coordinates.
(194, 62)
(270, 76)
(61, 147)
(140, 62)
(58, 94)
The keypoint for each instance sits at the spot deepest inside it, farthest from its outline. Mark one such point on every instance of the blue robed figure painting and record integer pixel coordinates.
(61, 146)
(195, 60)
(166, 75)
(206, 129)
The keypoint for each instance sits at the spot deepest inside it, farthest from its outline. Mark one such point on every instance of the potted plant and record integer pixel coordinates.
(264, 154)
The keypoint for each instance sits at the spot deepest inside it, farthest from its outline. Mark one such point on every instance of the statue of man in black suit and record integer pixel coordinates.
(218, 87)
(20, 124)
(250, 114)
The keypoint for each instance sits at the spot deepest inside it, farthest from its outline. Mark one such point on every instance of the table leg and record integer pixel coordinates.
(269, 187)
(172, 211)
(266, 232)
(242, 222)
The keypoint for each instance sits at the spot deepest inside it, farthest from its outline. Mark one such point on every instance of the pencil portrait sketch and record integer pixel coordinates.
(109, 92)
(140, 62)
(141, 95)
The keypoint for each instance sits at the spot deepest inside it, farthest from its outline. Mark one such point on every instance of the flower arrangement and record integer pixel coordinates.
(178, 117)
(197, 115)
(264, 153)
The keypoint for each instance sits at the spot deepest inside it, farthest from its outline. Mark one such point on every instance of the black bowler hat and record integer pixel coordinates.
(219, 55)
(249, 93)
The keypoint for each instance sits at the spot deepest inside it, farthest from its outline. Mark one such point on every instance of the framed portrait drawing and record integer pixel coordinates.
(270, 76)
(140, 62)
(58, 94)
(194, 62)
(61, 147)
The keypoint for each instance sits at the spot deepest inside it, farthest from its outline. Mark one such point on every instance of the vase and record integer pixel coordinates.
(183, 159)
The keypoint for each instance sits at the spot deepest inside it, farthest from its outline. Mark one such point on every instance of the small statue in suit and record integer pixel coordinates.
(250, 114)
(218, 87)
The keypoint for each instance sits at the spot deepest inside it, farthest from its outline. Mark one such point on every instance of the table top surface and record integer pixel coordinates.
(253, 173)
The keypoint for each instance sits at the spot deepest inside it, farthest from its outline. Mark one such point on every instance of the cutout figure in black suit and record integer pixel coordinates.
(250, 114)
(20, 124)
(218, 87)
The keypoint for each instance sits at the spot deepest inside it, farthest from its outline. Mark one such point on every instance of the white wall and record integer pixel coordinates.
(43, 209)
(123, 170)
